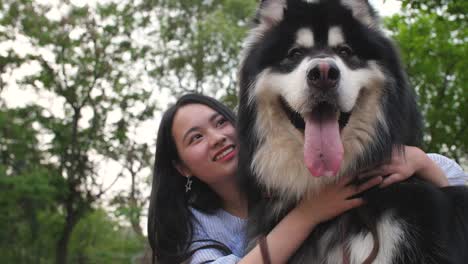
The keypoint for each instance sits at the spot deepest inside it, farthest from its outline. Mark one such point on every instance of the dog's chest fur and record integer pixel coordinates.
(346, 239)
(337, 245)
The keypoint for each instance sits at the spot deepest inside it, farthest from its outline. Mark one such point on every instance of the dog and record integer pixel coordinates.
(322, 94)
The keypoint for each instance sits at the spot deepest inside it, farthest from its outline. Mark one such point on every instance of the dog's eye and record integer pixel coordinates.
(294, 53)
(344, 51)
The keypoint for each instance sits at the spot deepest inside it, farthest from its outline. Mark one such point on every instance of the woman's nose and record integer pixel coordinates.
(217, 139)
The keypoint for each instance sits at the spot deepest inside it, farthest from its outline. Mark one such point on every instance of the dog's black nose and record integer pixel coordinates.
(324, 75)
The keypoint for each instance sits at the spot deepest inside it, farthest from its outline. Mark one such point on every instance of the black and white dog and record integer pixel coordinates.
(323, 94)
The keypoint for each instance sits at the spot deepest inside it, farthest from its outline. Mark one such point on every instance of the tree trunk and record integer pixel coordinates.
(71, 201)
(135, 213)
(61, 253)
(71, 218)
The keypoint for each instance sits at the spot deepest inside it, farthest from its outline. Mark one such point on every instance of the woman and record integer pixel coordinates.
(197, 211)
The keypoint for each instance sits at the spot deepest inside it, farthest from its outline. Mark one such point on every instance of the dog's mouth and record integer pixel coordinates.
(298, 121)
(294, 117)
(323, 149)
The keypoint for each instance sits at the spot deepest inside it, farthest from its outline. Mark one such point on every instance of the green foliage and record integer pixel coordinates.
(28, 190)
(18, 140)
(201, 44)
(435, 50)
(98, 239)
(456, 8)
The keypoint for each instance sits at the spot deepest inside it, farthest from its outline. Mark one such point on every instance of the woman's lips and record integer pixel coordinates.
(226, 153)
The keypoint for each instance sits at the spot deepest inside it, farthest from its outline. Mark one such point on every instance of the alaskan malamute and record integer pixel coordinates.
(323, 94)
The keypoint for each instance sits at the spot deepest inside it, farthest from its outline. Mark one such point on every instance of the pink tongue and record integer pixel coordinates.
(323, 150)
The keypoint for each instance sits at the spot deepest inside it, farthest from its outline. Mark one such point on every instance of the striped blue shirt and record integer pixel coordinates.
(222, 227)
(229, 229)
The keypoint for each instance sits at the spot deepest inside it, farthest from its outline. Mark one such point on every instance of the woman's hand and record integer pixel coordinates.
(334, 200)
(404, 165)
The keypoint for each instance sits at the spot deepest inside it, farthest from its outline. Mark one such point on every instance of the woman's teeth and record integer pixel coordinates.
(224, 153)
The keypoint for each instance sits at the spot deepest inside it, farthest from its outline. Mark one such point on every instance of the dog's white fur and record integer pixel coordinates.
(391, 231)
(361, 12)
(272, 12)
(305, 38)
(335, 36)
(388, 228)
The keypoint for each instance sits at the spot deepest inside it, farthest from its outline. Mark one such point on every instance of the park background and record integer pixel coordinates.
(83, 85)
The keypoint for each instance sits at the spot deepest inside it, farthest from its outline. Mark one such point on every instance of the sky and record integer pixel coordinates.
(386, 7)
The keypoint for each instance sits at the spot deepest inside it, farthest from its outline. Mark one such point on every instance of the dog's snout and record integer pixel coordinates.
(324, 75)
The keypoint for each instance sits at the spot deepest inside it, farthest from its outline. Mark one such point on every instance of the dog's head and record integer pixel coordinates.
(318, 80)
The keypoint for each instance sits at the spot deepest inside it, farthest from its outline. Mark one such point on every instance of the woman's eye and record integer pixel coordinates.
(344, 51)
(221, 122)
(294, 53)
(195, 137)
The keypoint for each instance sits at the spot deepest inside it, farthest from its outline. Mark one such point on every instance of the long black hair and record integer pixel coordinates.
(169, 218)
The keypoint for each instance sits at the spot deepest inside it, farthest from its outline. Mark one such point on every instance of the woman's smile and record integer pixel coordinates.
(226, 153)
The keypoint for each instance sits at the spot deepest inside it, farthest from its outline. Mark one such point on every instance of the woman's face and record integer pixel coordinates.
(206, 142)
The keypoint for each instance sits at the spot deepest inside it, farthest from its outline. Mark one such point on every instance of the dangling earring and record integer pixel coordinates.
(188, 184)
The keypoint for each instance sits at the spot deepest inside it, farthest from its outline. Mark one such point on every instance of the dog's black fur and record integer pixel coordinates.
(433, 221)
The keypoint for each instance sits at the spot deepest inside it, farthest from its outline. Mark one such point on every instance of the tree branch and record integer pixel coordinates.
(103, 191)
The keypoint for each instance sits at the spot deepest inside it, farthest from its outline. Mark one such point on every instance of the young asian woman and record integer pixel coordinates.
(197, 212)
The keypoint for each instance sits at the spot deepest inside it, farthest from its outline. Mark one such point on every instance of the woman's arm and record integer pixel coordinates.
(295, 227)
(453, 171)
(415, 161)
(412, 161)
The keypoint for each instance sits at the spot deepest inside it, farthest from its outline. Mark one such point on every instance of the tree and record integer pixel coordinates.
(432, 36)
(132, 203)
(83, 58)
(27, 190)
(99, 239)
(201, 42)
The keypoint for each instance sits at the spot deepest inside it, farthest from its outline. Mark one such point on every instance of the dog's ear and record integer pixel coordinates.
(270, 12)
(363, 12)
